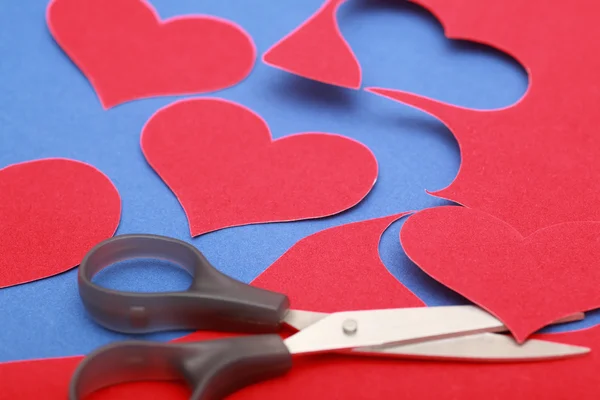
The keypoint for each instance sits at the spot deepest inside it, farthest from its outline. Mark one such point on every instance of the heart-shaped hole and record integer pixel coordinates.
(401, 45)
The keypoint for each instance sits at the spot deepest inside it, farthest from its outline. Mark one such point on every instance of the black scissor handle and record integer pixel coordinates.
(214, 301)
(212, 369)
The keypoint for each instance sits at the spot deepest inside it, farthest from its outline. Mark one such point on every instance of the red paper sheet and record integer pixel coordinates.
(339, 269)
(317, 50)
(532, 164)
(366, 379)
(353, 246)
(219, 159)
(127, 52)
(527, 282)
(53, 211)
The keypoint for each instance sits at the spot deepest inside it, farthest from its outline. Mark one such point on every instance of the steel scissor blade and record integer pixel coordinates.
(493, 347)
(480, 347)
(300, 319)
(351, 329)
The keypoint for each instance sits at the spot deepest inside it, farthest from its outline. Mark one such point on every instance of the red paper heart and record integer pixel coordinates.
(317, 50)
(220, 161)
(532, 164)
(128, 53)
(53, 211)
(324, 285)
(527, 282)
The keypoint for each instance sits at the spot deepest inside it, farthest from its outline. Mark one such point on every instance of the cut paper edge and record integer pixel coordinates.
(274, 58)
(454, 30)
(441, 111)
(446, 113)
(290, 267)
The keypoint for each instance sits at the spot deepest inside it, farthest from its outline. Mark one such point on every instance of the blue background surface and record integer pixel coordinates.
(48, 109)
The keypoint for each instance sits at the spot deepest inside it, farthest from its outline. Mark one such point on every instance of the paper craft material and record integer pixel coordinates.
(317, 50)
(53, 211)
(353, 246)
(127, 52)
(219, 159)
(526, 282)
(532, 164)
(347, 258)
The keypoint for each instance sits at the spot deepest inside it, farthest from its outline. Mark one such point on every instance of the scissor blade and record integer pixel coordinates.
(299, 319)
(351, 329)
(479, 347)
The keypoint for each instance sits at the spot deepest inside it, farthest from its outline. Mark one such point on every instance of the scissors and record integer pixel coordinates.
(214, 301)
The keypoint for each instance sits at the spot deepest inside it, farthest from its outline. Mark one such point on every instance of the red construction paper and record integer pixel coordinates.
(318, 272)
(527, 282)
(361, 379)
(532, 164)
(327, 254)
(127, 52)
(37, 379)
(317, 50)
(219, 159)
(53, 211)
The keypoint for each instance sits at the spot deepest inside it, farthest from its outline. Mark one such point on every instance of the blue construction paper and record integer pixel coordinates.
(48, 109)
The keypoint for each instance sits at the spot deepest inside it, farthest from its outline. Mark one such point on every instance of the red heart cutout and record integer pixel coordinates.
(53, 211)
(527, 282)
(128, 53)
(363, 282)
(220, 161)
(317, 50)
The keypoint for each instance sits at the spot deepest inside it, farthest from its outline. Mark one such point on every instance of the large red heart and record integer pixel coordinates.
(53, 211)
(527, 282)
(128, 53)
(363, 282)
(220, 161)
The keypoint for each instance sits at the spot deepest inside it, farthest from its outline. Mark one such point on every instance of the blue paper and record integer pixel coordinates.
(48, 109)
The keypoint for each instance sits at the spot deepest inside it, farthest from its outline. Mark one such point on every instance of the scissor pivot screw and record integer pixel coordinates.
(349, 326)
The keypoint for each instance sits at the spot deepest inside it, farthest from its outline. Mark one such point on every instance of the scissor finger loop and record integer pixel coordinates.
(212, 369)
(213, 300)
